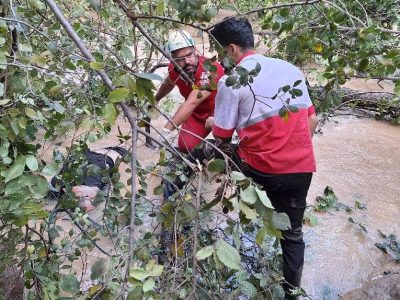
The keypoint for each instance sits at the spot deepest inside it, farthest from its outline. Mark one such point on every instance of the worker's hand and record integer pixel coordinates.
(209, 123)
(168, 137)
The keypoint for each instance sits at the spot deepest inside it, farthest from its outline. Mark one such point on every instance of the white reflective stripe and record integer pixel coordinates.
(226, 106)
(243, 107)
(265, 116)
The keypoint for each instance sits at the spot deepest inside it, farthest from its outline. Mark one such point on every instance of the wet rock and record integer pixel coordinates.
(384, 288)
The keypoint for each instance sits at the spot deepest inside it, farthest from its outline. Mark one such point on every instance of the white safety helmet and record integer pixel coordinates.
(179, 39)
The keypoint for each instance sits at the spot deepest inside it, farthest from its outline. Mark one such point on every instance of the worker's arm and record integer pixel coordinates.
(186, 109)
(312, 123)
(166, 87)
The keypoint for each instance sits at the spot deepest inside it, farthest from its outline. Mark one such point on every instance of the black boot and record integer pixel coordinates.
(292, 280)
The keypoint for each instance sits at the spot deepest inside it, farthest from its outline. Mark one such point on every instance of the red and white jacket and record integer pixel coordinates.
(268, 142)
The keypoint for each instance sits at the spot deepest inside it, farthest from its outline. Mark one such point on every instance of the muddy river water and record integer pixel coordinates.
(359, 159)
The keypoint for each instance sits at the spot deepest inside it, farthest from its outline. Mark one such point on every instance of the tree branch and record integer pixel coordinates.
(162, 18)
(135, 23)
(345, 12)
(196, 225)
(262, 9)
(131, 118)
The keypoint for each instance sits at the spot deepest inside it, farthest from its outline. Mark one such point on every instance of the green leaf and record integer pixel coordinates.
(32, 163)
(40, 188)
(148, 285)
(144, 90)
(363, 65)
(297, 82)
(297, 92)
(110, 113)
(284, 12)
(270, 230)
(15, 170)
(250, 213)
(249, 194)
(58, 108)
(160, 7)
(237, 176)
(136, 294)
(285, 88)
(3, 25)
(25, 48)
(260, 236)
(235, 204)
(156, 270)
(205, 252)
(3, 61)
(231, 81)
(69, 283)
(284, 113)
(262, 195)
(293, 109)
(248, 289)
(158, 190)
(139, 273)
(118, 95)
(51, 169)
(211, 204)
(281, 221)
(216, 166)
(4, 101)
(279, 19)
(228, 255)
(149, 76)
(37, 4)
(189, 210)
(98, 269)
(96, 65)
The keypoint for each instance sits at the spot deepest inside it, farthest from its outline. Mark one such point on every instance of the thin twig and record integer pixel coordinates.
(41, 238)
(135, 23)
(196, 224)
(262, 9)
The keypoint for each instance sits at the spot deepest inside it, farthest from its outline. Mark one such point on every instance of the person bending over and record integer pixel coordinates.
(199, 103)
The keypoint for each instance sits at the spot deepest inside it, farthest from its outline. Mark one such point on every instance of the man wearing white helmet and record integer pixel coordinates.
(199, 103)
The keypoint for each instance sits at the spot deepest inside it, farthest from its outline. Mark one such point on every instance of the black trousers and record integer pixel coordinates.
(287, 192)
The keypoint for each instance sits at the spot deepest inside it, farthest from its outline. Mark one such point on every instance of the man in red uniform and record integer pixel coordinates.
(276, 152)
(191, 116)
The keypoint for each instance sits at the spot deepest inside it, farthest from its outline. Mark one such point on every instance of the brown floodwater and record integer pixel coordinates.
(359, 159)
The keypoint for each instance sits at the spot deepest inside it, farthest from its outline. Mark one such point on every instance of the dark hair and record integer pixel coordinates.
(236, 31)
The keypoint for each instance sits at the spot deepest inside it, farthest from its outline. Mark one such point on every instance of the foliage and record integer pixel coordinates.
(390, 245)
(326, 202)
(50, 92)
